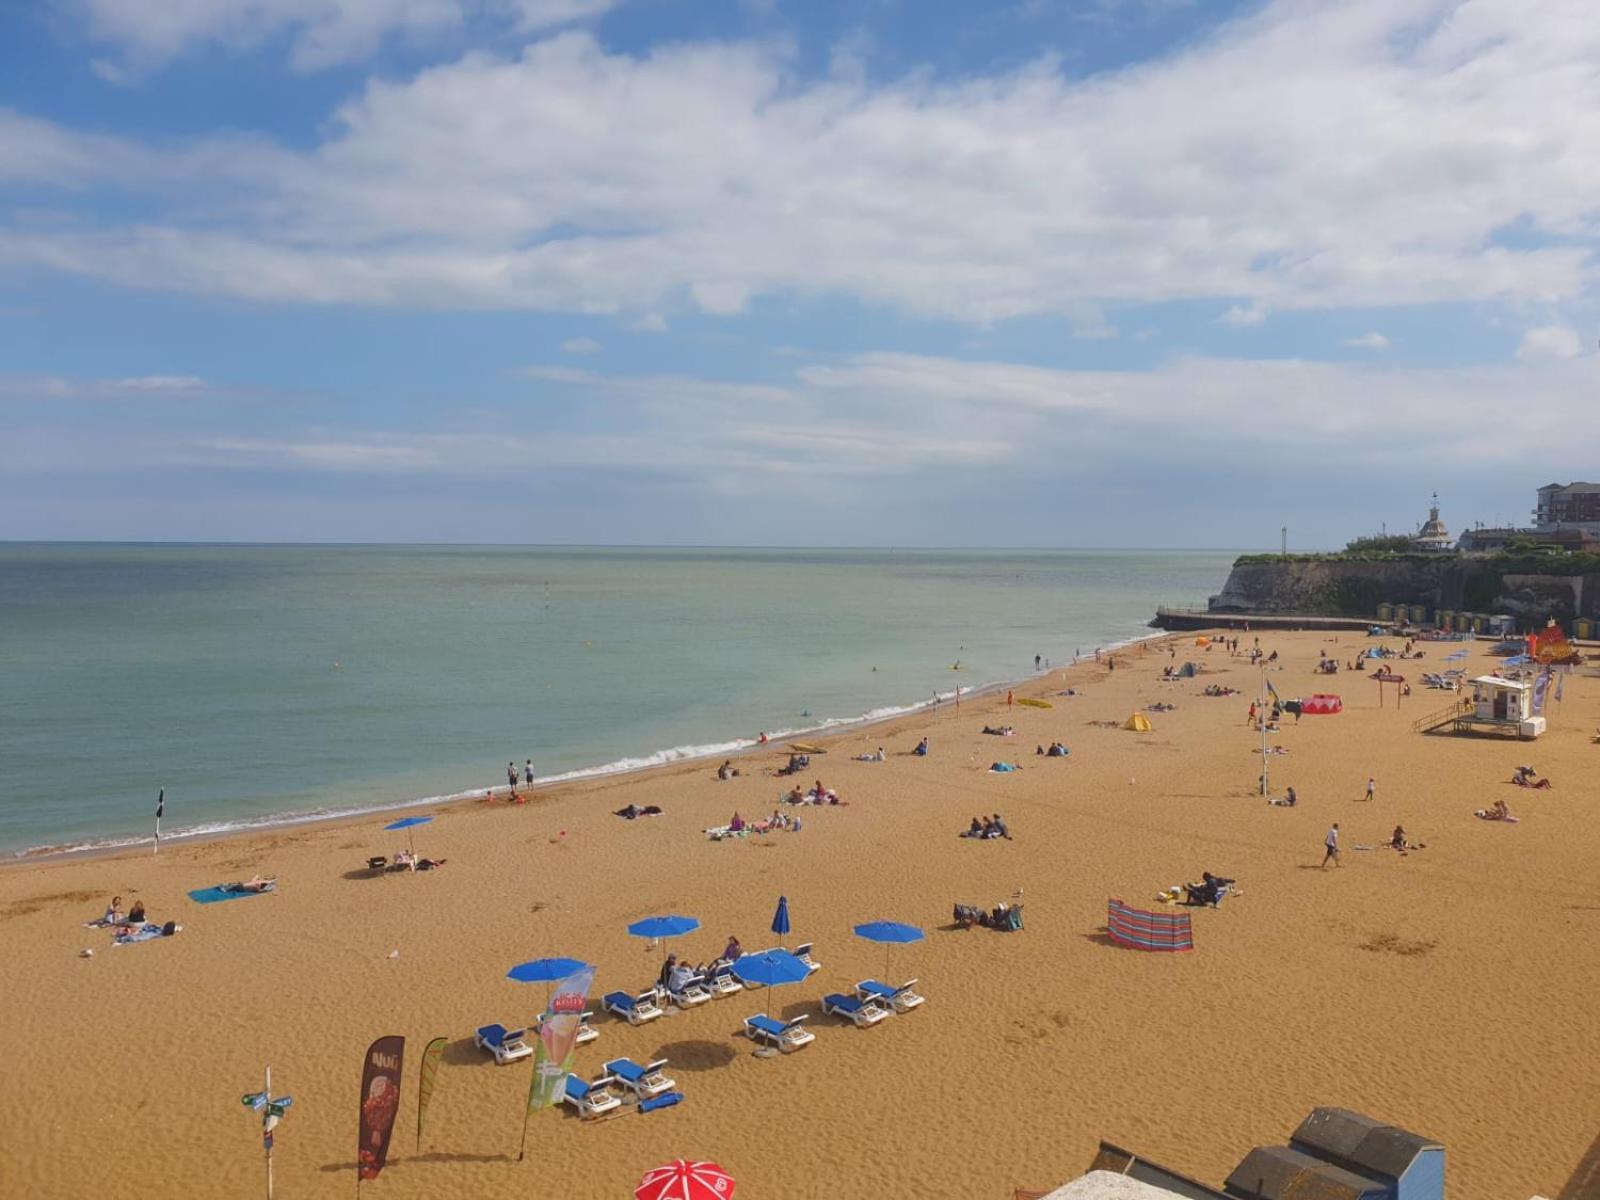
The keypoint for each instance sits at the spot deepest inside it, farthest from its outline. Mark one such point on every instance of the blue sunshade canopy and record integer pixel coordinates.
(888, 931)
(780, 919)
(770, 967)
(660, 927)
(545, 970)
(407, 822)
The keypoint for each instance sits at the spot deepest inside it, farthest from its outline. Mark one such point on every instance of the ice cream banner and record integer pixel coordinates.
(558, 1038)
(1541, 687)
(380, 1101)
(427, 1075)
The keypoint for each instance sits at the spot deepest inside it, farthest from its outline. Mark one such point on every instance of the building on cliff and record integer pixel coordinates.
(1568, 506)
(1433, 537)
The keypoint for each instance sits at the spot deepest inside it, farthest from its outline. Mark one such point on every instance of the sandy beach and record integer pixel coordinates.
(1448, 990)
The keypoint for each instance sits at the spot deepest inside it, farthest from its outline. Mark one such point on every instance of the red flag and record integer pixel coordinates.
(380, 1102)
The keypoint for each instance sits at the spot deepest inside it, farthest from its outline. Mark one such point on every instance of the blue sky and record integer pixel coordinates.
(1052, 272)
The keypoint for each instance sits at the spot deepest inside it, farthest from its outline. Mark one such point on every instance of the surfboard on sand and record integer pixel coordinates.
(807, 748)
(1032, 703)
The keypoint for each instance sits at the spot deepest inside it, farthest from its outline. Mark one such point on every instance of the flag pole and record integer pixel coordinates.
(1261, 716)
(268, 1138)
(161, 802)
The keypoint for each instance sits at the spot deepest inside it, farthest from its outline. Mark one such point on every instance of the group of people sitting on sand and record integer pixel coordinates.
(817, 795)
(133, 925)
(1056, 750)
(988, 827)
(876, 756)
(797, 763)
(777, 821)
(1287, 800)
(677, 975)
(1216, 689)
(1529, 778)
(1005, 917)
(1398, 841)
(1000, 730)
(407, 860)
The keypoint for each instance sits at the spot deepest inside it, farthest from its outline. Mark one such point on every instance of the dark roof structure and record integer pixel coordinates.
(1359, 1143)
(1284, 1173)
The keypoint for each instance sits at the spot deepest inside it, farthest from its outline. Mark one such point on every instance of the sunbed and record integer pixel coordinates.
(591, 1099)
(505, 1044)
(803, 953)
(586, 1032)
(785, 1035)
(724, 982)
(635, 1009)
(863, 1013)
(693, 993)
(645, 1081)
(901, 999)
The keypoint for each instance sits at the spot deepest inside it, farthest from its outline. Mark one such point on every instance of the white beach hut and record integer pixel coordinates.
(1506, 702)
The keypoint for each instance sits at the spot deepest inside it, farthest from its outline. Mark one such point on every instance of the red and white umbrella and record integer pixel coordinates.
(686, 1181)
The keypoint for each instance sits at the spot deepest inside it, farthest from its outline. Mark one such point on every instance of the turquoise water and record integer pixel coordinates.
(257, 682)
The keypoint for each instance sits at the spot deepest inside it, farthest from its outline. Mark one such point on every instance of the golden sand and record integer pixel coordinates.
(1450, 991)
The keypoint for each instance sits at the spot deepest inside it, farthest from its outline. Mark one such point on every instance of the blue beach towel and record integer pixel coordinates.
(665, 1100)
(216, 895)
(144, 934)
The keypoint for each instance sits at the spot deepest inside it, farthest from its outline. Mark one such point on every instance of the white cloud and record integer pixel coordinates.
(581, 345)
(650, 323)
(1368, 341)
(1550, 341)
(1305, 157)
(147, 34)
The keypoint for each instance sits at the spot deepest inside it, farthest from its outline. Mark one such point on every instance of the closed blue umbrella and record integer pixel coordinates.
(889, 933)
(408, 823)
(780, 919)
(770, 968)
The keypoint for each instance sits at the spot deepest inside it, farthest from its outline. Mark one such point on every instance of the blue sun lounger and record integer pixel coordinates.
(505, 1044)
(901, 999)
(862, 1013)
(636, 1010)
(591, 1099)
(785, 1035)
(645, 1081)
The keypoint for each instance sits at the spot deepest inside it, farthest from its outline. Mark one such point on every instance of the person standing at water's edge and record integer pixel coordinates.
(511, 775)
(1331, 846)
(527, 772)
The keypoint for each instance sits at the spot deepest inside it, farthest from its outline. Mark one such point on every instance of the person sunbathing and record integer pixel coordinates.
(256, 883)
(1500, 812)
(879, 756)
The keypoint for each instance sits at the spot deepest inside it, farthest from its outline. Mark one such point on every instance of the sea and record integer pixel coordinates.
(263, 684)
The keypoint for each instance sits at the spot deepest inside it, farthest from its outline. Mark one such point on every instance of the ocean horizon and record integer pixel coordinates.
(265, 682)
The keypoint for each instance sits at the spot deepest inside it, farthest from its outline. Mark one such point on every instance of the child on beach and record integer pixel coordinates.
(1372, 787)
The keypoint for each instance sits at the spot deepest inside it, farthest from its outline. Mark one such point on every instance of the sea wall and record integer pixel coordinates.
(1344, 587)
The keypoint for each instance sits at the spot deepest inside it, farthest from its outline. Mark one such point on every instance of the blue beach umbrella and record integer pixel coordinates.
(545, 971)
(770, 968)
(889, 933)
(663, 927)
(407, 823)
(780, 918)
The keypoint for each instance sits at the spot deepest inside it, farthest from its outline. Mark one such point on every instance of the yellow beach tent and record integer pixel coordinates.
(1138, 722)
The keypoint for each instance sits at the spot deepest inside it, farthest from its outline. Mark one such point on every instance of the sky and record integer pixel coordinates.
(1077, 273)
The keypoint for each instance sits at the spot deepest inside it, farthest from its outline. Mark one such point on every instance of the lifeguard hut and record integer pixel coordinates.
(1503, 705)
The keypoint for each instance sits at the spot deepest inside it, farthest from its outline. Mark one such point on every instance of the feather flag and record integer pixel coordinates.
(432, 1053)
(1273, 692)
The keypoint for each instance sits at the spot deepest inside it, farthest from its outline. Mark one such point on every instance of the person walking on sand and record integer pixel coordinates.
(1331, 845)
(1372, 787)
(1251, 719)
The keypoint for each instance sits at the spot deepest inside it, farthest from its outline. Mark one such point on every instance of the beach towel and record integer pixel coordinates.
(1143, 930)
(143, 934)
(215, 895)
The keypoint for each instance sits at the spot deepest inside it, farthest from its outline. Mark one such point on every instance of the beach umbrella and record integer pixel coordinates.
(682, 1180)
(889, 933)
(545, 971)
(663, 927)
(780, 918)
(408, 823)
(770, 968)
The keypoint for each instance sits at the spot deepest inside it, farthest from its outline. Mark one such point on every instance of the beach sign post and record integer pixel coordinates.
(271, 1111)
